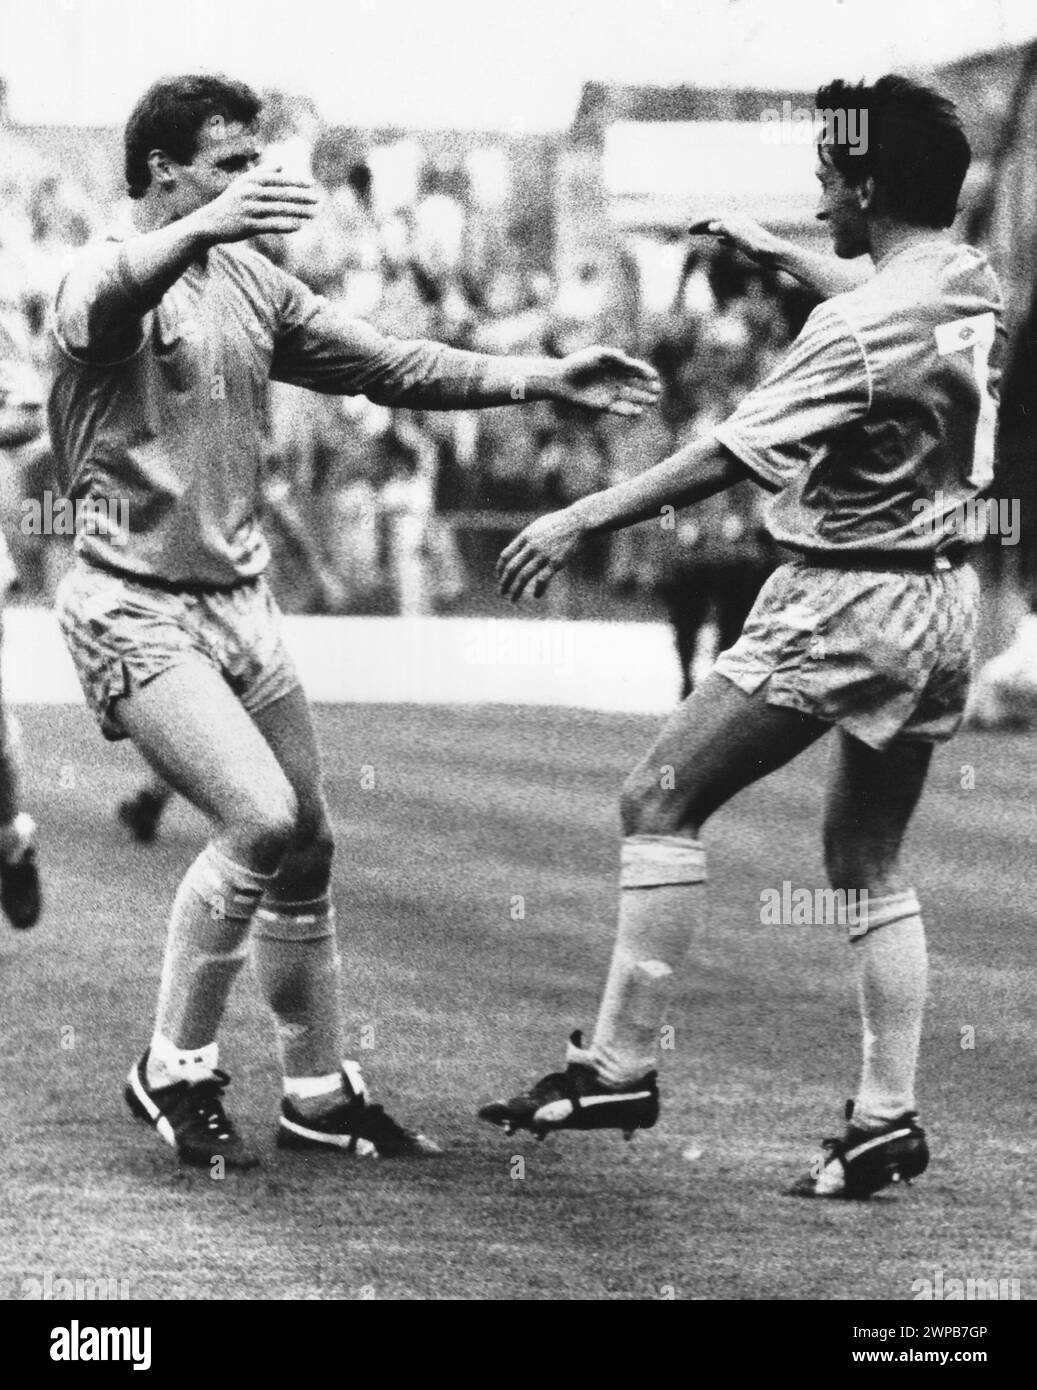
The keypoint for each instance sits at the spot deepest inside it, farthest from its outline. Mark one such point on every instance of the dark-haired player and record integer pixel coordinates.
(871, 432)
(168, 337)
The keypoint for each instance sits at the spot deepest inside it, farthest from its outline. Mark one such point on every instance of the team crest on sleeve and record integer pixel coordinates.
(964, 334)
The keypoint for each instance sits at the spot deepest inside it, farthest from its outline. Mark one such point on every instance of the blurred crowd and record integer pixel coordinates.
(377, 510)
(46, 215)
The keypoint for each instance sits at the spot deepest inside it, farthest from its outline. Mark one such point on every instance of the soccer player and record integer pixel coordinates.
(142, 812)
(21, 420)
(874, 429)
(168, 336)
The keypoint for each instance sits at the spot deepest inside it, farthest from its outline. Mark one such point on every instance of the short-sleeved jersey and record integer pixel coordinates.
(878, 427)
(159, 426)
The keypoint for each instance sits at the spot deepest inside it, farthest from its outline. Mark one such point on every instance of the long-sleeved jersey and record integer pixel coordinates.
(158, 423)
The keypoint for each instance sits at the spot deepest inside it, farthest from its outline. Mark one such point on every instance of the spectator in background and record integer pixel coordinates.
(46, 214)
(718, 556)
(355, 494)
(21, 420)
(596, 297)
(339, 254)
(715, 563)
(319, 445)
(428, 284)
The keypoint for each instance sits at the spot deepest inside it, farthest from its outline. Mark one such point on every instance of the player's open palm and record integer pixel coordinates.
(603, 378)
(538, 553)
(261, 201)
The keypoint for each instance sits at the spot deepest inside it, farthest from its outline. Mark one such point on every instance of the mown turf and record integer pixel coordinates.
(460, 998)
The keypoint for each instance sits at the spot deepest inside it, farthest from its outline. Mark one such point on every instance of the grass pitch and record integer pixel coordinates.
(475, 895)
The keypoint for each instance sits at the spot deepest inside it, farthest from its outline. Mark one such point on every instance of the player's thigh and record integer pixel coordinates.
(287, 726)
(870, 800)
(196, 734)
(716, 742)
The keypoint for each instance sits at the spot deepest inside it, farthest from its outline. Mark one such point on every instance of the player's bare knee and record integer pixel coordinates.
(304, 870)
(264, 842)
(266, 827)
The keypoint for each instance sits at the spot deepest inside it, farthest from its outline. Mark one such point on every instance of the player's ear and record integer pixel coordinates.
(161, 167)
(866, 195)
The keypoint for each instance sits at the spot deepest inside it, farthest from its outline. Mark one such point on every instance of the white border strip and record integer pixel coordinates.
(623, 667)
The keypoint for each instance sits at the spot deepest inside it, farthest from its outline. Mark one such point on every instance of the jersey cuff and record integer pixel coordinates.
(91, 359)
(763, 471)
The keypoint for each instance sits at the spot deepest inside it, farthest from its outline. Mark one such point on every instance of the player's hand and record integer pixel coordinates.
(603, 378)
(538, 553)
(742, 232)
(264, 200)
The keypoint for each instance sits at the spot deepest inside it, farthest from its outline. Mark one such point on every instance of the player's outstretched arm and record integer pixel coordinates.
(826, 275)
(319, 347)
(597, 378)
(545, 546)
(101, 298)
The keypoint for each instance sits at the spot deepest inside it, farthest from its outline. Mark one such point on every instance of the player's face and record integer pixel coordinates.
(841, 211)
(225, 150)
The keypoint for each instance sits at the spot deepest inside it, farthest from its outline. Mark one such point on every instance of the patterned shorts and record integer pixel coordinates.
(122, 635)
(883, 654)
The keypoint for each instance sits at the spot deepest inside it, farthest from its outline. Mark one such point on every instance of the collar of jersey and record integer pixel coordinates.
(935, 240)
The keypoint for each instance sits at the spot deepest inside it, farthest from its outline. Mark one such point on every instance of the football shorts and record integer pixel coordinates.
(885, 654)
(123, 634)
